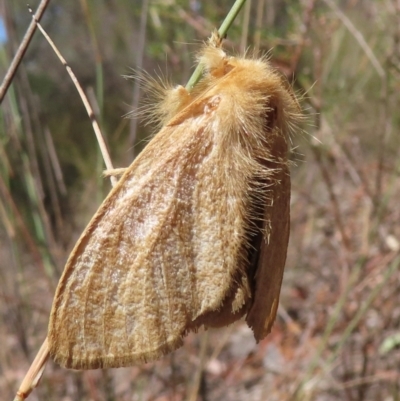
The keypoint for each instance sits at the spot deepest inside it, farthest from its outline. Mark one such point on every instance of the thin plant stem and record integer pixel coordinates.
(31, 379)
(21, 50)
(245, 27)
(359, 38)
(228, 21)
(200, 368)
(259, 20)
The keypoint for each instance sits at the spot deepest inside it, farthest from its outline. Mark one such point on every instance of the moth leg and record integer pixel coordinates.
(115, 172)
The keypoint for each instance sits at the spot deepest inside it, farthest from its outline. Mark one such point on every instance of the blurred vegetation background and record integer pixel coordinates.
(337, 336)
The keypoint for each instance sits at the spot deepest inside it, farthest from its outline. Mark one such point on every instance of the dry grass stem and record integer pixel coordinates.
(85, 101)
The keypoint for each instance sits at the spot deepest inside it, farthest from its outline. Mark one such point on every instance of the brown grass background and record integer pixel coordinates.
(337, 335)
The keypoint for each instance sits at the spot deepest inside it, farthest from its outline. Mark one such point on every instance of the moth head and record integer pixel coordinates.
(215, 61)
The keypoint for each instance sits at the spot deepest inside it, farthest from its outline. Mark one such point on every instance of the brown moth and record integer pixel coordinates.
(196, 230)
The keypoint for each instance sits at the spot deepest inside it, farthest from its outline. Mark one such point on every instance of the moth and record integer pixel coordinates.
(195, 233)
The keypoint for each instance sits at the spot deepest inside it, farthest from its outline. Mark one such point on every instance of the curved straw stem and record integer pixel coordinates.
(85, 101)
(34, 373)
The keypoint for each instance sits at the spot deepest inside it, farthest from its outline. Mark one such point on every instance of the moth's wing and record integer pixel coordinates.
(159, 255)
(273, 247)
